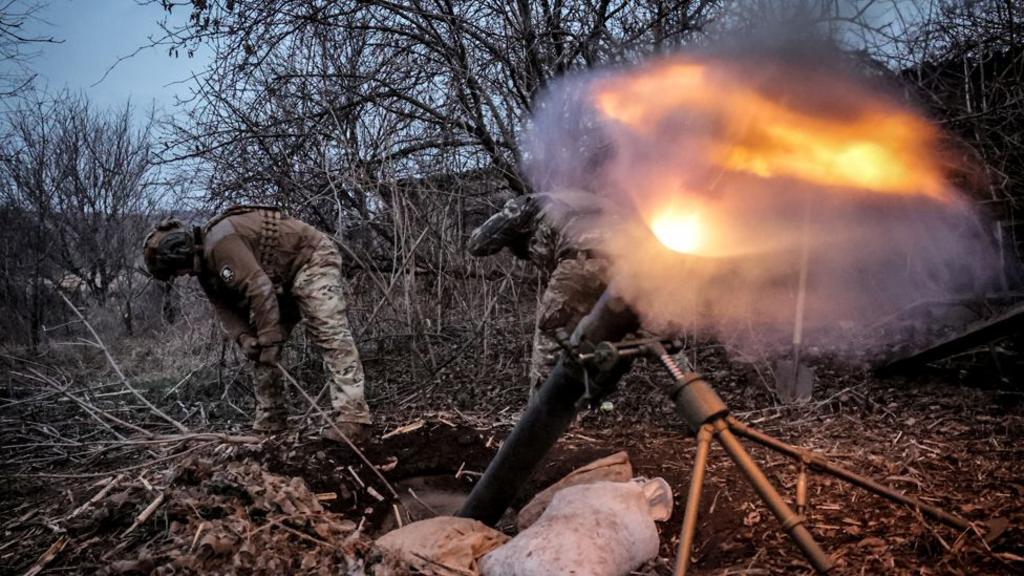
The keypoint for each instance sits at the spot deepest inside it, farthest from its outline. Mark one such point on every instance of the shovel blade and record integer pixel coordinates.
(794, 384)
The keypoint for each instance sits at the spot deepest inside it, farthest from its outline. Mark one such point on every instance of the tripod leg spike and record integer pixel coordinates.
(791, 522)
(686, 535)
(821, 464)
(801, 490)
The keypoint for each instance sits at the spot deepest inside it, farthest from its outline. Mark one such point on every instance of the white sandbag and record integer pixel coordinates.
(599, 529)
(443, 545)
(613, 468)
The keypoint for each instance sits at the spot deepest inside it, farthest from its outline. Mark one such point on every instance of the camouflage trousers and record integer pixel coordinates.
(574, 287)
(318, 291)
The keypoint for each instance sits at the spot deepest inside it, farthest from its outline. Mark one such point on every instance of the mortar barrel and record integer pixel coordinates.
(550, 413)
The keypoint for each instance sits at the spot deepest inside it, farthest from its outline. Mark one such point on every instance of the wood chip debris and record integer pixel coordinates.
(410, 427)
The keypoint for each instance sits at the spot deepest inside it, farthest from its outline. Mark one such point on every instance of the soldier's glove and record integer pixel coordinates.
(250, 346)
(270, 355)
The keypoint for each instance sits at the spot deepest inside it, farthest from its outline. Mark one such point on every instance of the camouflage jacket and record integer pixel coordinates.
(250, 255)
(542, 228)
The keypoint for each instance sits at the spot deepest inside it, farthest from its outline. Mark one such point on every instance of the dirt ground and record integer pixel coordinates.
(296, 504)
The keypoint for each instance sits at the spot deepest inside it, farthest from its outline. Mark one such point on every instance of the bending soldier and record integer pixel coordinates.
(263, 272)
(553, 236)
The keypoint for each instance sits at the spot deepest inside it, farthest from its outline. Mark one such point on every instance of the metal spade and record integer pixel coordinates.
(794, 381)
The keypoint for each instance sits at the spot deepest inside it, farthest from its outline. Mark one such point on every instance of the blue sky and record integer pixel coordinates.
(95, 33)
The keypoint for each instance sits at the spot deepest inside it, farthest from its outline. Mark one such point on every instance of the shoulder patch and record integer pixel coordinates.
(227, 274)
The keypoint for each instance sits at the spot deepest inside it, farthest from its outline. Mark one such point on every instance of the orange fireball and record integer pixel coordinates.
(678, 231)
(740, 125)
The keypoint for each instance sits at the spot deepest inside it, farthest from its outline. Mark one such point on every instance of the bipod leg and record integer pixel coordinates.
(700, 465)
(791, 522)
(821, 464)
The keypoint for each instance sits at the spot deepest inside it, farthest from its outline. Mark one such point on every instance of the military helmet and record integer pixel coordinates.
(170, 247)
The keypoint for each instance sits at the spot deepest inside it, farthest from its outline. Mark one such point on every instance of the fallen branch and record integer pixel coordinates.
(117, 369)
(117, 471)
(93, 411)
(146, 514)
(97, 497)
(411, 427)
(191, 437)
(48, 556)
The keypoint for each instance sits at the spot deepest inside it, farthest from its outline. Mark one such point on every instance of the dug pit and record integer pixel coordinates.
(431, 470)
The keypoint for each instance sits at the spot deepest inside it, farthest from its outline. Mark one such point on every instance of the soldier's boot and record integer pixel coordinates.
(351, 416)
(271, 414)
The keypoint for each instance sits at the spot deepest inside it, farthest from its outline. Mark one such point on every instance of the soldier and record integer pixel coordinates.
(559, 239)
(264, 271)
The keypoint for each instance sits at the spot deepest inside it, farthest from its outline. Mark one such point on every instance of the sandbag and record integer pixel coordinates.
(443, 545)
(598, 529)
(614, 468)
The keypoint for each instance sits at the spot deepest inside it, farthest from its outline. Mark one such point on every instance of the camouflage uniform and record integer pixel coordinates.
(318, 287)
(556, 238)
(264, 272)
(574, 287)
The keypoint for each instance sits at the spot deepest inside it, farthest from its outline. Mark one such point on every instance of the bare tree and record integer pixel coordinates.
(300, 90)
(106, 194)
(16, 44)
(80, 182)
(31, 174)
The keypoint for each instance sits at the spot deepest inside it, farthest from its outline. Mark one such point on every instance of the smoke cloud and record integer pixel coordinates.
(719, 172)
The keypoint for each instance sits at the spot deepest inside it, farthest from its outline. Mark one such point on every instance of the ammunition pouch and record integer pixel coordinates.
(270, 229)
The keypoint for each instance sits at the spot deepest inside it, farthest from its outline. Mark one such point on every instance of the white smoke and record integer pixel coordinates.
(871, 250)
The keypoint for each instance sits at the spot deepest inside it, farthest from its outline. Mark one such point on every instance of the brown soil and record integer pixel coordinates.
(950, 444)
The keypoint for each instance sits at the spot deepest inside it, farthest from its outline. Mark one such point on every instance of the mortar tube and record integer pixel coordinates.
(550, 413)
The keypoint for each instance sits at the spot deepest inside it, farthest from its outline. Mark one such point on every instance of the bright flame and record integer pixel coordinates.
(711, 178)
(873, 147)
(679, 232)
